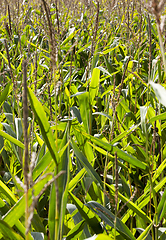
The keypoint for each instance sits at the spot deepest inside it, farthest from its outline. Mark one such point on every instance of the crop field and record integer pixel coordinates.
(82, 120)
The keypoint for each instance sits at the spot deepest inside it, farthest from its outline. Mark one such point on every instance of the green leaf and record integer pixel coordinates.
(143, 200)
(69, 37)
(103, 237)
(8, 232)
(12, 139)
(131, 205)
(161, 116)
(9, 196)
(84, 109)
(86, 164)
(100, 237)
(87, 214)
(102, 151)
(109, 218)
(102, 114)
(94, 85)
(18, 210)
(57, 206)
(120, 153)
(77, 218)
(145, 232)
(143, 112)
(44, 124)
(76, 231)
(12, 66)
(42, 165)
(160, 92)
(76, 179)
(7, 192)
(161, 209)
(4, 93)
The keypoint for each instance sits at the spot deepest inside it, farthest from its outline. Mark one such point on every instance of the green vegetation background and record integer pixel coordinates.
(82, 123)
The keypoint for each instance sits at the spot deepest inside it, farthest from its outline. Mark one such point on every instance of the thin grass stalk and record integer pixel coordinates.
(57, 17)
(8, 58)
(35, 72)
(10, 25)
(122, 80)
(140, 35)
(26, 155)
(116, 194)
(113, 109)
(95, 29)
(131, 199)
(71, 61)
(105, 177)
(150, 46)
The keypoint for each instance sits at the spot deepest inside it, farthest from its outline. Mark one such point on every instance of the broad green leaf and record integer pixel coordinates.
(75, 111)
(63, 180)
(76, 179)
(109, 218)
(160, 92)
(131, 205)
(86, 164)
(43, 50)
(7, 192)
(3, 56)
(111, 158)
(109, 50)
(143, 200)
(73, 33)
(18, 210)
(42, 165)
(4, 93)
(112, 149)
(3, 152)
(75, 233)
(145, 232)
(87, 148)
(40, 141)
(19, 130)
(57, 206)
(94, 85)
(8, 232)
(84, 109)
(161, 116)
(103, 237)
(143, 112)
(100, 237)
(161, 209)
(44, 124)
(53, 213)
(38, 235)
(124, 134)
(12, 139)
(87, 214)
(8, 195)
(103, 114)
(77, 218)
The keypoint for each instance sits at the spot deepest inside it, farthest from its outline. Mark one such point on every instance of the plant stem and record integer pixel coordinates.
(116, 193)
(25, 163)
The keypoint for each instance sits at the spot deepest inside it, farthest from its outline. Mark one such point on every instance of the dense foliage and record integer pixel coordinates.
(82, 123)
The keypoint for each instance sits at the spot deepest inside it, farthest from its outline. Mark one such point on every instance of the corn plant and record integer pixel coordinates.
(82, 123)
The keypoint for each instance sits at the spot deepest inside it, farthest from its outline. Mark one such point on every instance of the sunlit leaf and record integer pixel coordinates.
(160, 92)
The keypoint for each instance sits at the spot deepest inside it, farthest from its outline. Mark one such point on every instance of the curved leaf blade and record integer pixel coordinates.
(44, 124)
